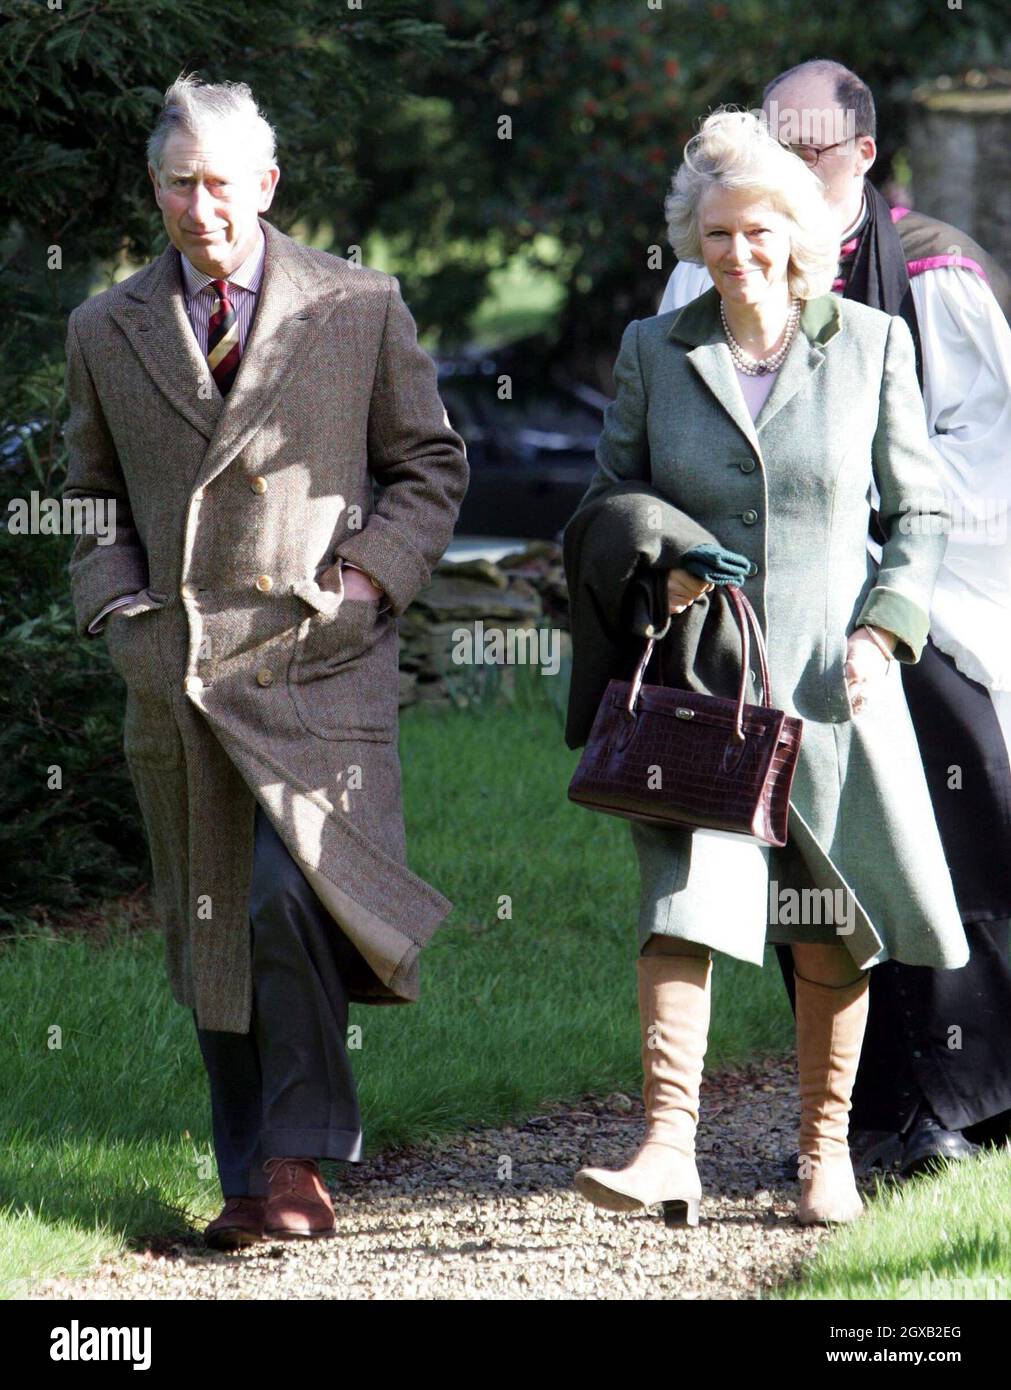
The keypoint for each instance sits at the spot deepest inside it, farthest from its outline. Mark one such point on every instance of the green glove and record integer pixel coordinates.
(716, 565)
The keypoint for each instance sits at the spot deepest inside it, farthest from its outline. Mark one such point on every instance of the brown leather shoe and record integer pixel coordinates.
(239, 1223)
(298, 1203)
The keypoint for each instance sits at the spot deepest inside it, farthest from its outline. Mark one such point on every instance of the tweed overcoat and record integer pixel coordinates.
(245, 680)
(792, 492)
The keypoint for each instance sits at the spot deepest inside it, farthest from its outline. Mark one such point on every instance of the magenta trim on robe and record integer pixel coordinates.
(939, 262)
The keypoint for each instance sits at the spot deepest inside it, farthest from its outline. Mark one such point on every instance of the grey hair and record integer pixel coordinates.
(192, 106)
(735, 150)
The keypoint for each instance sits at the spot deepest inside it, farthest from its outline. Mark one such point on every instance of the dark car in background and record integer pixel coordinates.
(531, 457)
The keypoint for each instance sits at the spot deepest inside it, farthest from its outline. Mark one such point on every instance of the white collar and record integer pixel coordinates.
(851, 230)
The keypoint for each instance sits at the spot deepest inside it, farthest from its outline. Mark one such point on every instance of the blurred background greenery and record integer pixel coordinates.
(390, 121)
(390, 135)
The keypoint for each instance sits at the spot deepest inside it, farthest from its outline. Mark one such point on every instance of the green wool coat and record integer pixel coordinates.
(791, 491)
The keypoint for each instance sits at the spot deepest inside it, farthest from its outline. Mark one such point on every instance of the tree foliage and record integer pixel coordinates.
(83, 84)
(601, 97)
(465, 131)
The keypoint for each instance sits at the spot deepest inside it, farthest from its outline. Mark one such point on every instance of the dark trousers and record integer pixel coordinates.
(285, 1089)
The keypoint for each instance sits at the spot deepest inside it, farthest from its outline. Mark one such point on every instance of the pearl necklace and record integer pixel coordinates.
(755, 366)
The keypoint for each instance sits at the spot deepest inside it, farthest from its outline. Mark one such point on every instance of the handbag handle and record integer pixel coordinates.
(747, 621)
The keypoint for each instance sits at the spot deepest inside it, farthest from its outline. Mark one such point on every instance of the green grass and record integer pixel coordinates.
(108, 1122)
(938, 1237)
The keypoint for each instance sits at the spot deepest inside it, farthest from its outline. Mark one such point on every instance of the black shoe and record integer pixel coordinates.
(872, 1149)
(929, 1145)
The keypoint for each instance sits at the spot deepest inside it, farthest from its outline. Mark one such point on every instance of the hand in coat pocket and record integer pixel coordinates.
(344, 678)
(131, 639)
(357, 585)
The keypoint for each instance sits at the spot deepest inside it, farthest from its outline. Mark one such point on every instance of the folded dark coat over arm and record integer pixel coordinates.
(617, 550)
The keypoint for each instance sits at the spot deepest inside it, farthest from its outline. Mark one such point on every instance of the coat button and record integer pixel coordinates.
(199, 495)
(264, 583)
(193, 685)
(749, 517)
(747, 465)
(259, 485)
(752, 568)
(187, 591)
(265, 677)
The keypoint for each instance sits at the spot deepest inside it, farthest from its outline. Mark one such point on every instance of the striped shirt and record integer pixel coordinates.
(244, 291)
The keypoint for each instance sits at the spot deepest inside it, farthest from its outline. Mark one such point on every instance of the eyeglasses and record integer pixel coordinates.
(810, 154)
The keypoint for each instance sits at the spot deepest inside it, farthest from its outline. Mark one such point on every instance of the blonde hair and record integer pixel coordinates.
(733, 149)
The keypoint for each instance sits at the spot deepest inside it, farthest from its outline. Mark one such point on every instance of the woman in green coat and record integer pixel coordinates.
(770, 413)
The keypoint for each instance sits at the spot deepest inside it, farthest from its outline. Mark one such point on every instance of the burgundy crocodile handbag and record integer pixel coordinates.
(680, 758)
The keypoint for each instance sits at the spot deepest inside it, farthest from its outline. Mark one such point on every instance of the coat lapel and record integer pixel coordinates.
(698, 326)
(298, 296)
(819, 321)
(296, 300)
(159, 331)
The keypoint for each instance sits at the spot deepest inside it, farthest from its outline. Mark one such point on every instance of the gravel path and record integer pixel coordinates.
(447, 1219)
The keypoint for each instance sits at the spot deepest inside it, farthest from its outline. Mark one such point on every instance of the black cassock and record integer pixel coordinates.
(944, 1036)
(917, 1014)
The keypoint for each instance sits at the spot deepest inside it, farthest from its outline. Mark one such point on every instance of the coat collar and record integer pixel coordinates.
(698, 326)
(298, 295)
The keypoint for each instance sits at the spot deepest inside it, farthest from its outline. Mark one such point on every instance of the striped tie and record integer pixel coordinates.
(223, 339)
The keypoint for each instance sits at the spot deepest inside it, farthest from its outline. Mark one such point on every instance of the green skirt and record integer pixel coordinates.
(744, 895)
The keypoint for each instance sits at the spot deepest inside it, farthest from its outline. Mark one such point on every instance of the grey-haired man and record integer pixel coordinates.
(238, 398)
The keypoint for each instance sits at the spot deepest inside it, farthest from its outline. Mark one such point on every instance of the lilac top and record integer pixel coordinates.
(755, 389)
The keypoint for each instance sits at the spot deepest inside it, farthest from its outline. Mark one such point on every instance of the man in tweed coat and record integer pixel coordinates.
(236, 399)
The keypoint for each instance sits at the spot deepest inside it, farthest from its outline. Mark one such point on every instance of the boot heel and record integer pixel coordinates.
(681, 1213)
(674, 1009)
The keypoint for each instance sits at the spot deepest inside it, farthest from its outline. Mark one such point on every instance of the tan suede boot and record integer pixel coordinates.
(830, 1030)
(674, 1004)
